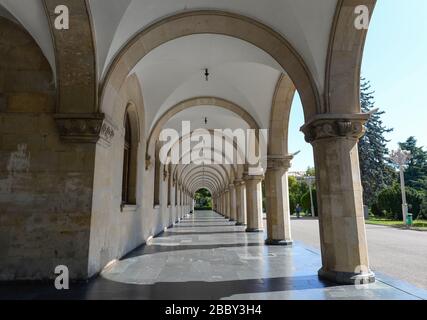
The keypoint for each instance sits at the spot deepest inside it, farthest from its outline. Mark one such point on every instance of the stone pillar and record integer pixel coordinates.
(254, 203)
(277, 194)
(178, 195)
(339, 193)
(225, 204)
(233, 200)
(240, 202)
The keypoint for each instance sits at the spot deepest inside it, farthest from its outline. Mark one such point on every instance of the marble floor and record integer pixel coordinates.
(207, 257)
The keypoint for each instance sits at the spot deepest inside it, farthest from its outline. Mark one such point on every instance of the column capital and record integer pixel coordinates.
(253, 177)
(231, 186)
(239, 182)
(326, 126)
(279, 162)
(84, 128)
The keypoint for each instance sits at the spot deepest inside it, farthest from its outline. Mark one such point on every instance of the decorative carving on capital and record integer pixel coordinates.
(107, 133)
(85, 128)
(238, 182)
(248, 177)
(279, 162)
(335, 126)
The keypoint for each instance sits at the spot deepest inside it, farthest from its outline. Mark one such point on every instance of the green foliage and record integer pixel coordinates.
(423, 208)
(203, 200)
(306, 202)
(389, 202)
(376, 170)
(299, 193)
(416, 172)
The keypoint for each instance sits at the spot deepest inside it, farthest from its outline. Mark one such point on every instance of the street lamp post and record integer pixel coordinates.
(310, 181)
(401, 158)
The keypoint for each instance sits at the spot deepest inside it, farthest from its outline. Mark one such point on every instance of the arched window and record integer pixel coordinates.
(170, 185)
(130, 157)
(157, 176)
(176, 191)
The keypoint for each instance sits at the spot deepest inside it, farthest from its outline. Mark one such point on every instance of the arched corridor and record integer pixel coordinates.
(110, 128)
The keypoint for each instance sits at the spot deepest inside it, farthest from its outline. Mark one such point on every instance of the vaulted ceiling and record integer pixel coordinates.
(239, 71)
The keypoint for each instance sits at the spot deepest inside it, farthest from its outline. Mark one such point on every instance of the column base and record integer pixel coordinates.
(254, 230)
(240, 224)
(347, 277)
(272, 242)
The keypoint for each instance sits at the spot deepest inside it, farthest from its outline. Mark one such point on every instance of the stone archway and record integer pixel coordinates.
(212, 22)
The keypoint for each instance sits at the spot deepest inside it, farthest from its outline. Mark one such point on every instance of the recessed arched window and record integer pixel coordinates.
(176, 191)
(170, 185)
(157, 176)
(130, 157)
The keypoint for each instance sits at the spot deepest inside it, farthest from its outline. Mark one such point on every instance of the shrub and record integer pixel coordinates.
(389, 202)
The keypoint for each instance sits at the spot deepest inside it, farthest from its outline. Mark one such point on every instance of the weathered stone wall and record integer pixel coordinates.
(45, 185)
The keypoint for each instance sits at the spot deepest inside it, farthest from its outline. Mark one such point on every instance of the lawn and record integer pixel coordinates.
(418, 224)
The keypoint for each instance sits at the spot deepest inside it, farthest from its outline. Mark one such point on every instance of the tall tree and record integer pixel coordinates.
(375, 167)
(416, 172)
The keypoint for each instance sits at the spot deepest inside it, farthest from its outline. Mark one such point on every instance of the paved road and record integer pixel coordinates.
(397, 253)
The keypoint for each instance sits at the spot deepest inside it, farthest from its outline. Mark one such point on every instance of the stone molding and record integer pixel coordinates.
(279, 162)
(335, 126)
(238, 183)
(253, 177)
(85, 128)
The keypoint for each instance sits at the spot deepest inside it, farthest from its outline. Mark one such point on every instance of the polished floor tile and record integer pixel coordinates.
(208, 257)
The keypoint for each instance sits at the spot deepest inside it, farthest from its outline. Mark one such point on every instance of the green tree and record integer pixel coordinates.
(416, 171)
(423, 209)
(306, 202)
(203, 200)
(297, 189)
(376, 170)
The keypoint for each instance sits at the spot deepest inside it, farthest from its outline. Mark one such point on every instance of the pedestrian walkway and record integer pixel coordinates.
(207, 257)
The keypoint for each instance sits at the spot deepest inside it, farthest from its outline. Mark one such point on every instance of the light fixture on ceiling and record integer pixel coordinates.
(206, 120)
(207, 74)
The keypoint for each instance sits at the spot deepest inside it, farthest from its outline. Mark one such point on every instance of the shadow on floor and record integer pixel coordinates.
(158, 248)
(104, 289)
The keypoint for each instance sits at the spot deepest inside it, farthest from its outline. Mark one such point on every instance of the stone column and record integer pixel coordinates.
(339, 193)
(277, 194)
(254, 203)
(240, 202)
(177, 209)
(227, 204)
(233, 200)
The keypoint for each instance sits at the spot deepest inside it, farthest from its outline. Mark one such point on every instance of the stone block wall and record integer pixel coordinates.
(45, 185)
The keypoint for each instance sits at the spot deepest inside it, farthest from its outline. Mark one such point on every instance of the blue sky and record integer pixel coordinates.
(395, 61)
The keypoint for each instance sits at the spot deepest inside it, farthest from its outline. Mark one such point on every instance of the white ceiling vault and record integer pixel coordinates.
(239, 72)
(306, 24)
(173, 72)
